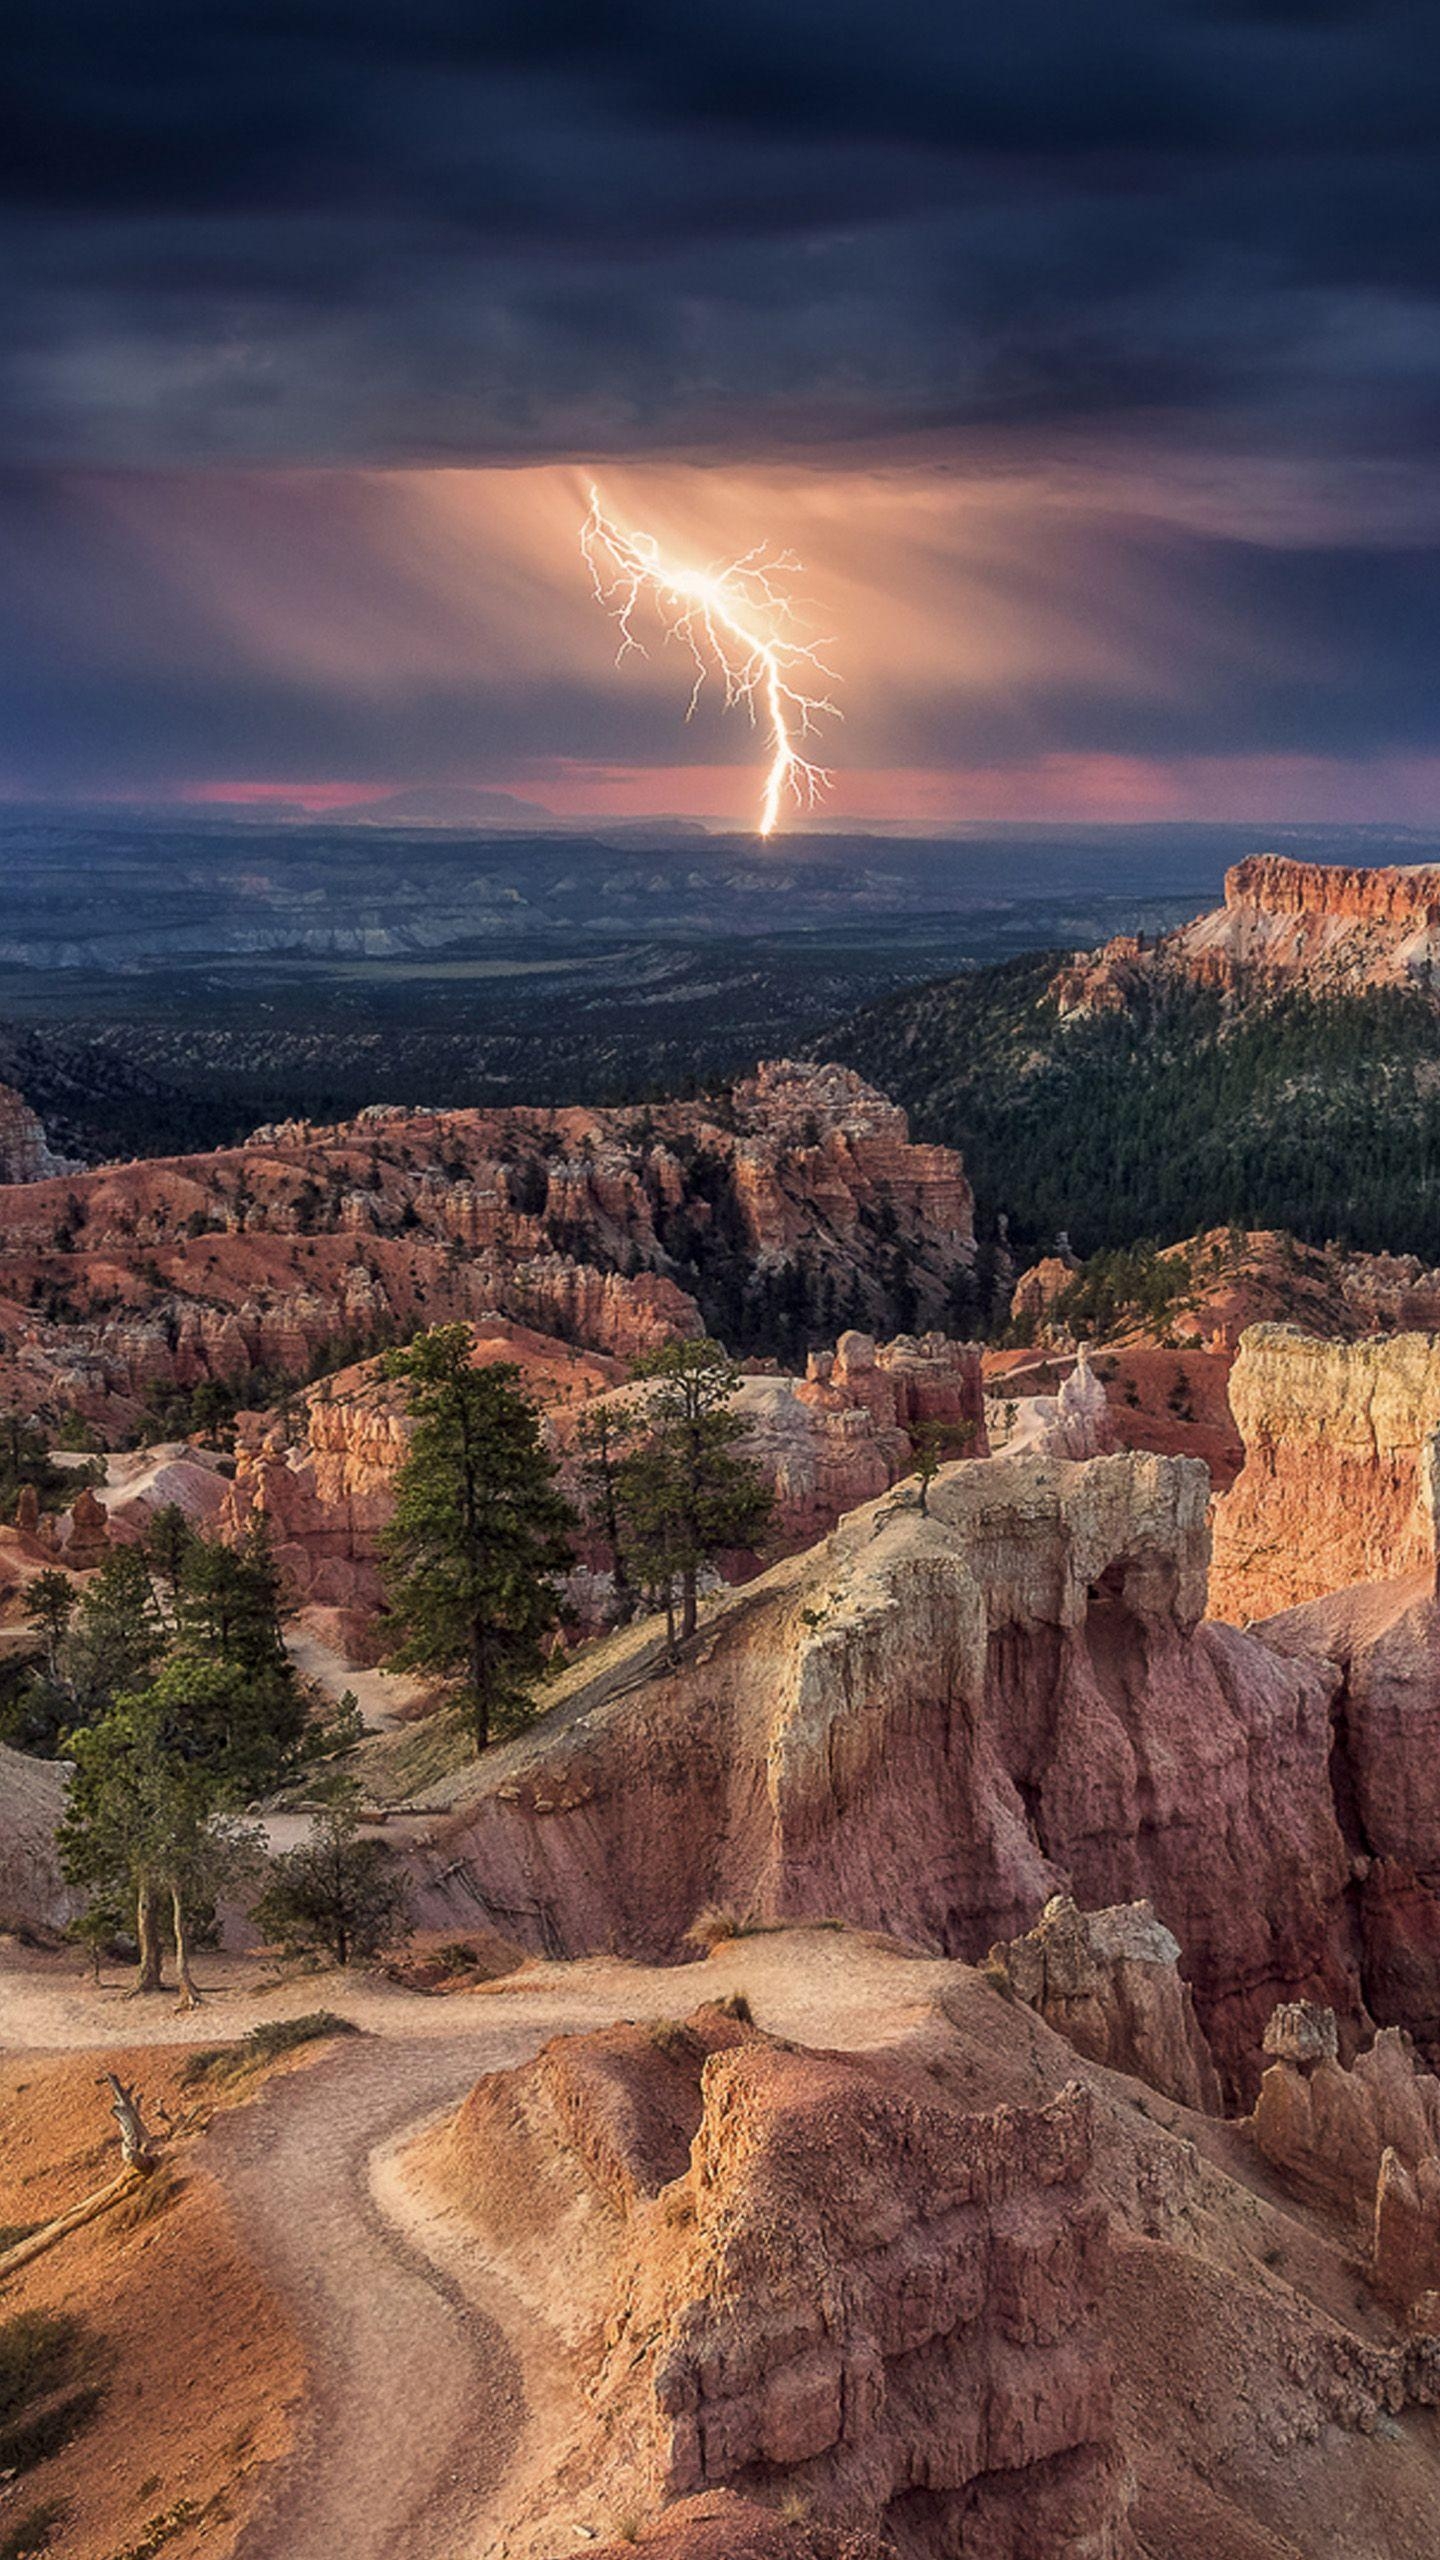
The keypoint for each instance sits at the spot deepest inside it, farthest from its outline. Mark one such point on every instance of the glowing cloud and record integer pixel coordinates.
(739, 626)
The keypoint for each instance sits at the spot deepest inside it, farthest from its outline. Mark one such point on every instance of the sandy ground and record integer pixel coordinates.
(418, 2409)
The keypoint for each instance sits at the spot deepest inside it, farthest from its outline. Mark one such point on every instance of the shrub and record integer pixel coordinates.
(262, 2044)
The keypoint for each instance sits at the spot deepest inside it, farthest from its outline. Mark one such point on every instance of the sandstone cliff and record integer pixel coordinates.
(1330, 928)
(842, 2281)
(321, 1472)
(1335, 1486)
(931, 1725)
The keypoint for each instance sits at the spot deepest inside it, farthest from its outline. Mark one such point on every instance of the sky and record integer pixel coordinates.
(1086, 356)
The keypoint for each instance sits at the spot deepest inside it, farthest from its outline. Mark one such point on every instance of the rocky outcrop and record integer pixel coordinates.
(322, 1472)
(930, 1725)
(1365, 2141)
(321, 1476)
(1329, 2128)
(1337, 1485)
(846, 1431)
(1332, 928)
(25, 1155)
(1110, 1983)
(815, 2269)
(135, 1281)
(1075, 1422)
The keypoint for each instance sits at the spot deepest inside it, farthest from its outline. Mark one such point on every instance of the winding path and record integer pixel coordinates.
(417, 2404)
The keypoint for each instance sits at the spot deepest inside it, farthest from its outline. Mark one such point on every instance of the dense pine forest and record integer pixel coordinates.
(1183, 1113)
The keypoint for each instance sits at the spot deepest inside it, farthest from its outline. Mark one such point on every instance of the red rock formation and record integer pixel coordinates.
(1109, 1982)
(930, 1726)
(322, 1474)
(1383, 1640)
(1366, 2141)
(140, 1279)
(1329, 2128)
(817, 2268)
(87, 1534)
(1331, 927)
(1337, 1486)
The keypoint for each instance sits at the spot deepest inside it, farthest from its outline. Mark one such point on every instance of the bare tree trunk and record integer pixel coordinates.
(669, 1614)
(687, 1601)
(480, 1689)
(189, 1996)
(135, 2141)
(151, 1974)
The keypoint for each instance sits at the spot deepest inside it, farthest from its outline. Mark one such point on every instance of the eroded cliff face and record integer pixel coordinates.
(959, 2290)
(33, 1894)
(1110, 1983)
(156, 1275)
(1329, 927)
(1336, 1485)
(819, 2269)
(931, 1725)
(25, 1153)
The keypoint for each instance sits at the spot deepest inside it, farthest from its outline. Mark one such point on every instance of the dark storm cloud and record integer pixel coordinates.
(373, 232)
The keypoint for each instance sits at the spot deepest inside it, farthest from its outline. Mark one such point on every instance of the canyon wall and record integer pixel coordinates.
(321, 1473)
(138, 1279)
(929, 1725)
(1336, 1486)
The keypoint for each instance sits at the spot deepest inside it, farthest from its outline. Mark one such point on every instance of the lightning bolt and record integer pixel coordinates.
(739, 627)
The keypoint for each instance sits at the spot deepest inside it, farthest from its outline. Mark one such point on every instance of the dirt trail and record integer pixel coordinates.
(417, 2405)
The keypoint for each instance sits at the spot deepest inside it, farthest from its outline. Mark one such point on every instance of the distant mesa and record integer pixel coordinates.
(453, 804)
(1334, 928)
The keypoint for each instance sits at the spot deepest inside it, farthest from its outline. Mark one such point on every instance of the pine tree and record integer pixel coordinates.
(480, 1530)
(605, 1434)
(685, 1492)
(337, 1893)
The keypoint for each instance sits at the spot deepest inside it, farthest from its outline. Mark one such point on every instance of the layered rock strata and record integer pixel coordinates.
(1338, 1482)
(930, 1725)
(1331, 928)
(119, 1284)
(821, 2272)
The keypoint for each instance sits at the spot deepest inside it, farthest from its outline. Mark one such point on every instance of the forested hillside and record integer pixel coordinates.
(1183, 1112)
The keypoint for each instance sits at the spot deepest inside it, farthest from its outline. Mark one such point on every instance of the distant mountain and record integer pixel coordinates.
(452, 804)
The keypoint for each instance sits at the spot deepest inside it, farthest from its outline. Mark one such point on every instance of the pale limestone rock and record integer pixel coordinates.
(1110, 1982)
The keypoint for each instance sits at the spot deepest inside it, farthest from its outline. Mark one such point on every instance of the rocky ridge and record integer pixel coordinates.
(1330, 928)
(930, 1725)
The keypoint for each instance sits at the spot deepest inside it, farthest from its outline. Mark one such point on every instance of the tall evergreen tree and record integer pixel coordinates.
(685, 1490)
(480, 1529)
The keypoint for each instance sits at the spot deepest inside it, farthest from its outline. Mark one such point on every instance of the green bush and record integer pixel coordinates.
(262, 2044)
